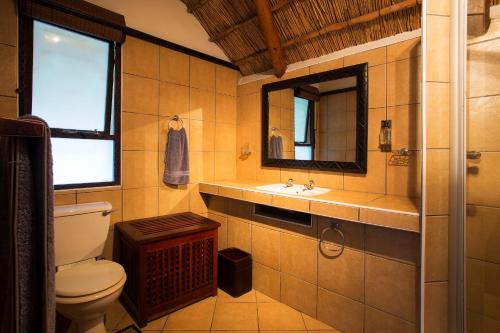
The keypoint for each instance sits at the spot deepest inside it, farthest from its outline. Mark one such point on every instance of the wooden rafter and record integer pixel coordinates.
(271, 36)
(243, 23)
(339, 26)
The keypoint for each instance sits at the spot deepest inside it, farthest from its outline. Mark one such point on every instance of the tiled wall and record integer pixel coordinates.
(158, 83)
(8, 60)
(483, 180)
(438, 152)
(394, 93)
(281, 116)
(371, 287)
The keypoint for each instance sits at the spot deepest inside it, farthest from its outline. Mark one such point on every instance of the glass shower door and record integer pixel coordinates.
(482, 221)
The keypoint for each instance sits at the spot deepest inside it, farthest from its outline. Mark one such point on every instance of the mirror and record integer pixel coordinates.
(317, 121)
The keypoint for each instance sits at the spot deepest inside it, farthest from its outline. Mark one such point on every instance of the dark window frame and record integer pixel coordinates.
(113, 98)
(309, 128)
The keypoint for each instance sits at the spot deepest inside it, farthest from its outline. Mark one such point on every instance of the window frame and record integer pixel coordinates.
(310, 133)
(113, 98)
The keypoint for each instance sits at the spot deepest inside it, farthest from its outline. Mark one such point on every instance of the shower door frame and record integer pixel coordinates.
(458, 168)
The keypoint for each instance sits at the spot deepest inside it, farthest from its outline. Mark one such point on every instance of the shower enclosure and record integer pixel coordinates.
(475, 193)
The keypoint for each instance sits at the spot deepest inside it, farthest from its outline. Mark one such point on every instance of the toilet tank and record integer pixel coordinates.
(80, 231)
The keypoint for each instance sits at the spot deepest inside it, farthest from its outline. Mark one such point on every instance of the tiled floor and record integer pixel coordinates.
(252, 312)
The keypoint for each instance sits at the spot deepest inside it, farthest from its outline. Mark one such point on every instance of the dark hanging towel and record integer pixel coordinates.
(176, 158)
(276, 147)
(27, 293)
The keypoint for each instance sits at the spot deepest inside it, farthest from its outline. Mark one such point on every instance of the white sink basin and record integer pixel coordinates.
(295, 189)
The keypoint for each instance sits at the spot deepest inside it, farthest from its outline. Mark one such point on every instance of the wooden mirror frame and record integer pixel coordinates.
(360, 165)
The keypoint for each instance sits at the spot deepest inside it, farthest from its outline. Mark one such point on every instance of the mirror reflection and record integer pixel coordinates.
(314, 121)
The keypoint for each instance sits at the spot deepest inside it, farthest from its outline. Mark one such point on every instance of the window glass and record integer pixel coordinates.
(69, 78)
(303, 153)
(300, 114)
(78, 161)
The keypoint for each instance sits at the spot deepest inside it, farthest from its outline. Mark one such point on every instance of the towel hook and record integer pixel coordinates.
(334, 227)
(175, 118)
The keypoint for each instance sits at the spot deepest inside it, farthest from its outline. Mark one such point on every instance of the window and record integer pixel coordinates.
(304, 129)
(74, 88)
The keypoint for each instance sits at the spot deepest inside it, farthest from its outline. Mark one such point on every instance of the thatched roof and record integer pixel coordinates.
(306, 28)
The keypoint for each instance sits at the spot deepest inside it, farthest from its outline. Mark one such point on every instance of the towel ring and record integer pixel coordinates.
(175, 118)
(275, 129)
(334, 227)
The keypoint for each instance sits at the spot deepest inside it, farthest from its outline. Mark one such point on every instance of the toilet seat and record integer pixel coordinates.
(89, 278)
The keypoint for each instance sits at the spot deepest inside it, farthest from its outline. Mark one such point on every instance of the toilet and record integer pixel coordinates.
(85, 286)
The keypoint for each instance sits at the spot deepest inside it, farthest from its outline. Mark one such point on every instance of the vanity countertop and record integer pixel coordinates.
(370, 208)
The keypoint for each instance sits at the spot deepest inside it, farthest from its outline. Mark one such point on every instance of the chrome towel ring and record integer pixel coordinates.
(333, 227)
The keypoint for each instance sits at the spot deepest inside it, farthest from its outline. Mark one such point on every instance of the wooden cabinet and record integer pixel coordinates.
(170, 261)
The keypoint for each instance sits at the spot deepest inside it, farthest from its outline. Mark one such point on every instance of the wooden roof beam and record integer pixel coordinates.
(271, 37)
(340, 25)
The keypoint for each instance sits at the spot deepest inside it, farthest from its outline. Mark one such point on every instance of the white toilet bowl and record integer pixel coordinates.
(85, 287)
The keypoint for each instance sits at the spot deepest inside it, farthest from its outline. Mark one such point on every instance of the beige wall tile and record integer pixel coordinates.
(483, 294)
(8, 25)
(483, 120)
(291, 203)
(438, 181)
(299, 176)
(239, 234)
(202, 135)
(484, 180)
(377, 92)
(298, 256)
(266, 280)
(225, 166)
(404, 180)
(393, 244)
(225, 137)
(374, 180)
(483, 233)
(202, 74)
(8, 67)
(375, 117)
(8, 107)
(248, 109)
(225, 109)
(173, 199)
(328, 179)
(140, 169)
(140, 95)
(379, 321)
(327, 66)
(141, 58)
(299, 294)
(340, 312)
(372, 57)
(114, 197)
(197, 201)
(231, 193)
(404, 50)
(202, 105)
(477, 322)
(268, 174)
(438, 48)
(436, 248)
(436, 307)
(174, 66)
(174, 100)
(403, 82)
(64, 199)
(222, 231)
(226, 80)
(405, 126)
(140, 203)
(438, 115)
(139, 131)
(266, 246)
(482, 67)
(391, 286)
(256, 197)
(343, 275)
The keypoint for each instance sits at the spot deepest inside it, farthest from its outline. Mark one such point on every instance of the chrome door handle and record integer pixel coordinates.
(473, 155)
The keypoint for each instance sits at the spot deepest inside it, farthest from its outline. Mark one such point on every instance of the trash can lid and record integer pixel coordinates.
(234, 254)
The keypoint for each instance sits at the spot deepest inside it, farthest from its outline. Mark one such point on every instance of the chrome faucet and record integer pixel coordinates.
(310, 185)
(289, 182)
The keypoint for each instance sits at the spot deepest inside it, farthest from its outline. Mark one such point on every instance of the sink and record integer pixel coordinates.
(295, 189)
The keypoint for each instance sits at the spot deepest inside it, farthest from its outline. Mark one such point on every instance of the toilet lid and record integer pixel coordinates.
(88, 278)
